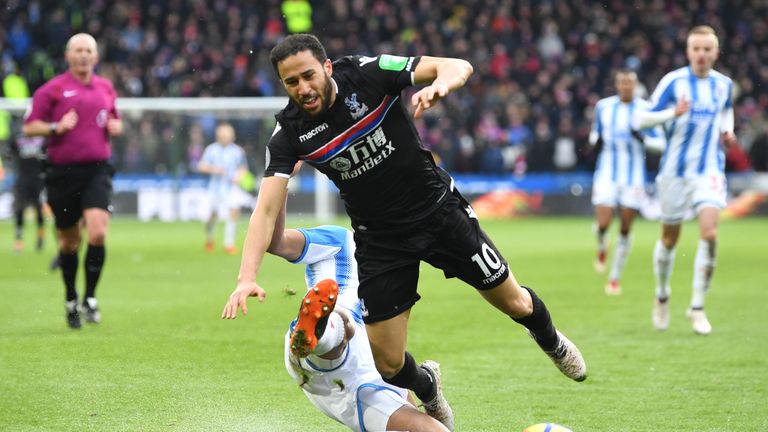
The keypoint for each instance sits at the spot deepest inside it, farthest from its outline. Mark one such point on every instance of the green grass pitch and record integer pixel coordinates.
(162, 360)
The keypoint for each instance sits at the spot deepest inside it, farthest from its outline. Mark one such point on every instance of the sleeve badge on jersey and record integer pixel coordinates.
(392, 63)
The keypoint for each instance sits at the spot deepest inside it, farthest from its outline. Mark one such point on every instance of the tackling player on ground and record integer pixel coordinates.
(327, 351)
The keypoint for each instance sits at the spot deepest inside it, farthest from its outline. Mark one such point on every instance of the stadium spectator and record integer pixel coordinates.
(29, 154)
(597, 38)
(619, 179)
(298, 15)
(15, 88)
(345, 119)
(76, 111)
(225, 162)
(696, 103)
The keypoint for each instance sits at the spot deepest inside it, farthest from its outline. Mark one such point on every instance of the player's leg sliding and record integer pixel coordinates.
(334, 332)
(315, 308)
(703, 269)
(563, 353)
(663, 264)
(425, 381)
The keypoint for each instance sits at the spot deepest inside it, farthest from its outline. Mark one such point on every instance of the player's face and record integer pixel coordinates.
(82, 54)
(702, 52)
(308, 82)
(225, 135)
(625, 85)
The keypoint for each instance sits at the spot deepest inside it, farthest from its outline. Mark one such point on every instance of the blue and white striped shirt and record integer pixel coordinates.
(693, 139)
(622, 158)
(231, 158)
(329, 253)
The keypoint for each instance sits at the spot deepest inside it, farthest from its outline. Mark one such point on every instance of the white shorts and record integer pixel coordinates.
(348, 390)
(233, 199)
(678, 195)
(612, 194)
(368, 411)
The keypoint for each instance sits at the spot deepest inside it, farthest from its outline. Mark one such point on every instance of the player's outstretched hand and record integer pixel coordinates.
(239, 297)
(427, 98)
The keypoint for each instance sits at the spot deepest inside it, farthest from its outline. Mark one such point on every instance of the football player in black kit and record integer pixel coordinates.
(29, 153)
(346, 119)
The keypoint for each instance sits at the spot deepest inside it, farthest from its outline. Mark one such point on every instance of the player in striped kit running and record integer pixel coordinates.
(696, 105)
(619, 179)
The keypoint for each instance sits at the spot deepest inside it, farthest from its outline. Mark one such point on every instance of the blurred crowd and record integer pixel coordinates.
(540, 66)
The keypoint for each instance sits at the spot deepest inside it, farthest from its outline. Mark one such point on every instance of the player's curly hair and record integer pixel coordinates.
(295, 44)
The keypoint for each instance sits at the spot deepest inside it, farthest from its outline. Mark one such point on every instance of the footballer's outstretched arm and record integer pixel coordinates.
(444, 75)
(286, 243)
(272, 195)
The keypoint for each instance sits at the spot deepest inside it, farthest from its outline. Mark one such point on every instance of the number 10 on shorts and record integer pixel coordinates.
(489, 259)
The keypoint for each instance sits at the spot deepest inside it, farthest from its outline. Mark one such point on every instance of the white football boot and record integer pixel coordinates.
(568, 359)
(660, 314)
(438, 407)
(699, 321)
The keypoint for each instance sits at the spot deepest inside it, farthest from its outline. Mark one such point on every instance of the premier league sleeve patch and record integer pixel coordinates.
(393, 63)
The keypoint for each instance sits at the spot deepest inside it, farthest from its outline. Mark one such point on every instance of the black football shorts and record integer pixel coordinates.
(26, 192)
(449, 239)
(74, 188)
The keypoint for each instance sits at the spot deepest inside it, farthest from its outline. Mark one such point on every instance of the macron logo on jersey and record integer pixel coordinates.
(364, 60)
(313, 132)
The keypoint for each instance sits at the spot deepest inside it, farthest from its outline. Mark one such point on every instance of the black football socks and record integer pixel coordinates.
(94, 262)
(540, 324)
(415, 378)
(68, 266)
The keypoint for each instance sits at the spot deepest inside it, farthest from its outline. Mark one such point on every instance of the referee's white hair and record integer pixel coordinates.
(84, 36)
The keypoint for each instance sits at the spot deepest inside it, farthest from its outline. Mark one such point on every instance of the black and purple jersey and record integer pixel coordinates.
(366, 144)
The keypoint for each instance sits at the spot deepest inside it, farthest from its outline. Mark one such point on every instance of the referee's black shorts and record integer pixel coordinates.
(74, 188)
(450, 239)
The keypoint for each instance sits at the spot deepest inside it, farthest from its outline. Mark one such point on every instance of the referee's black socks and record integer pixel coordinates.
(415, 378)
(540, 324)
(68, 266)
(94, 262)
